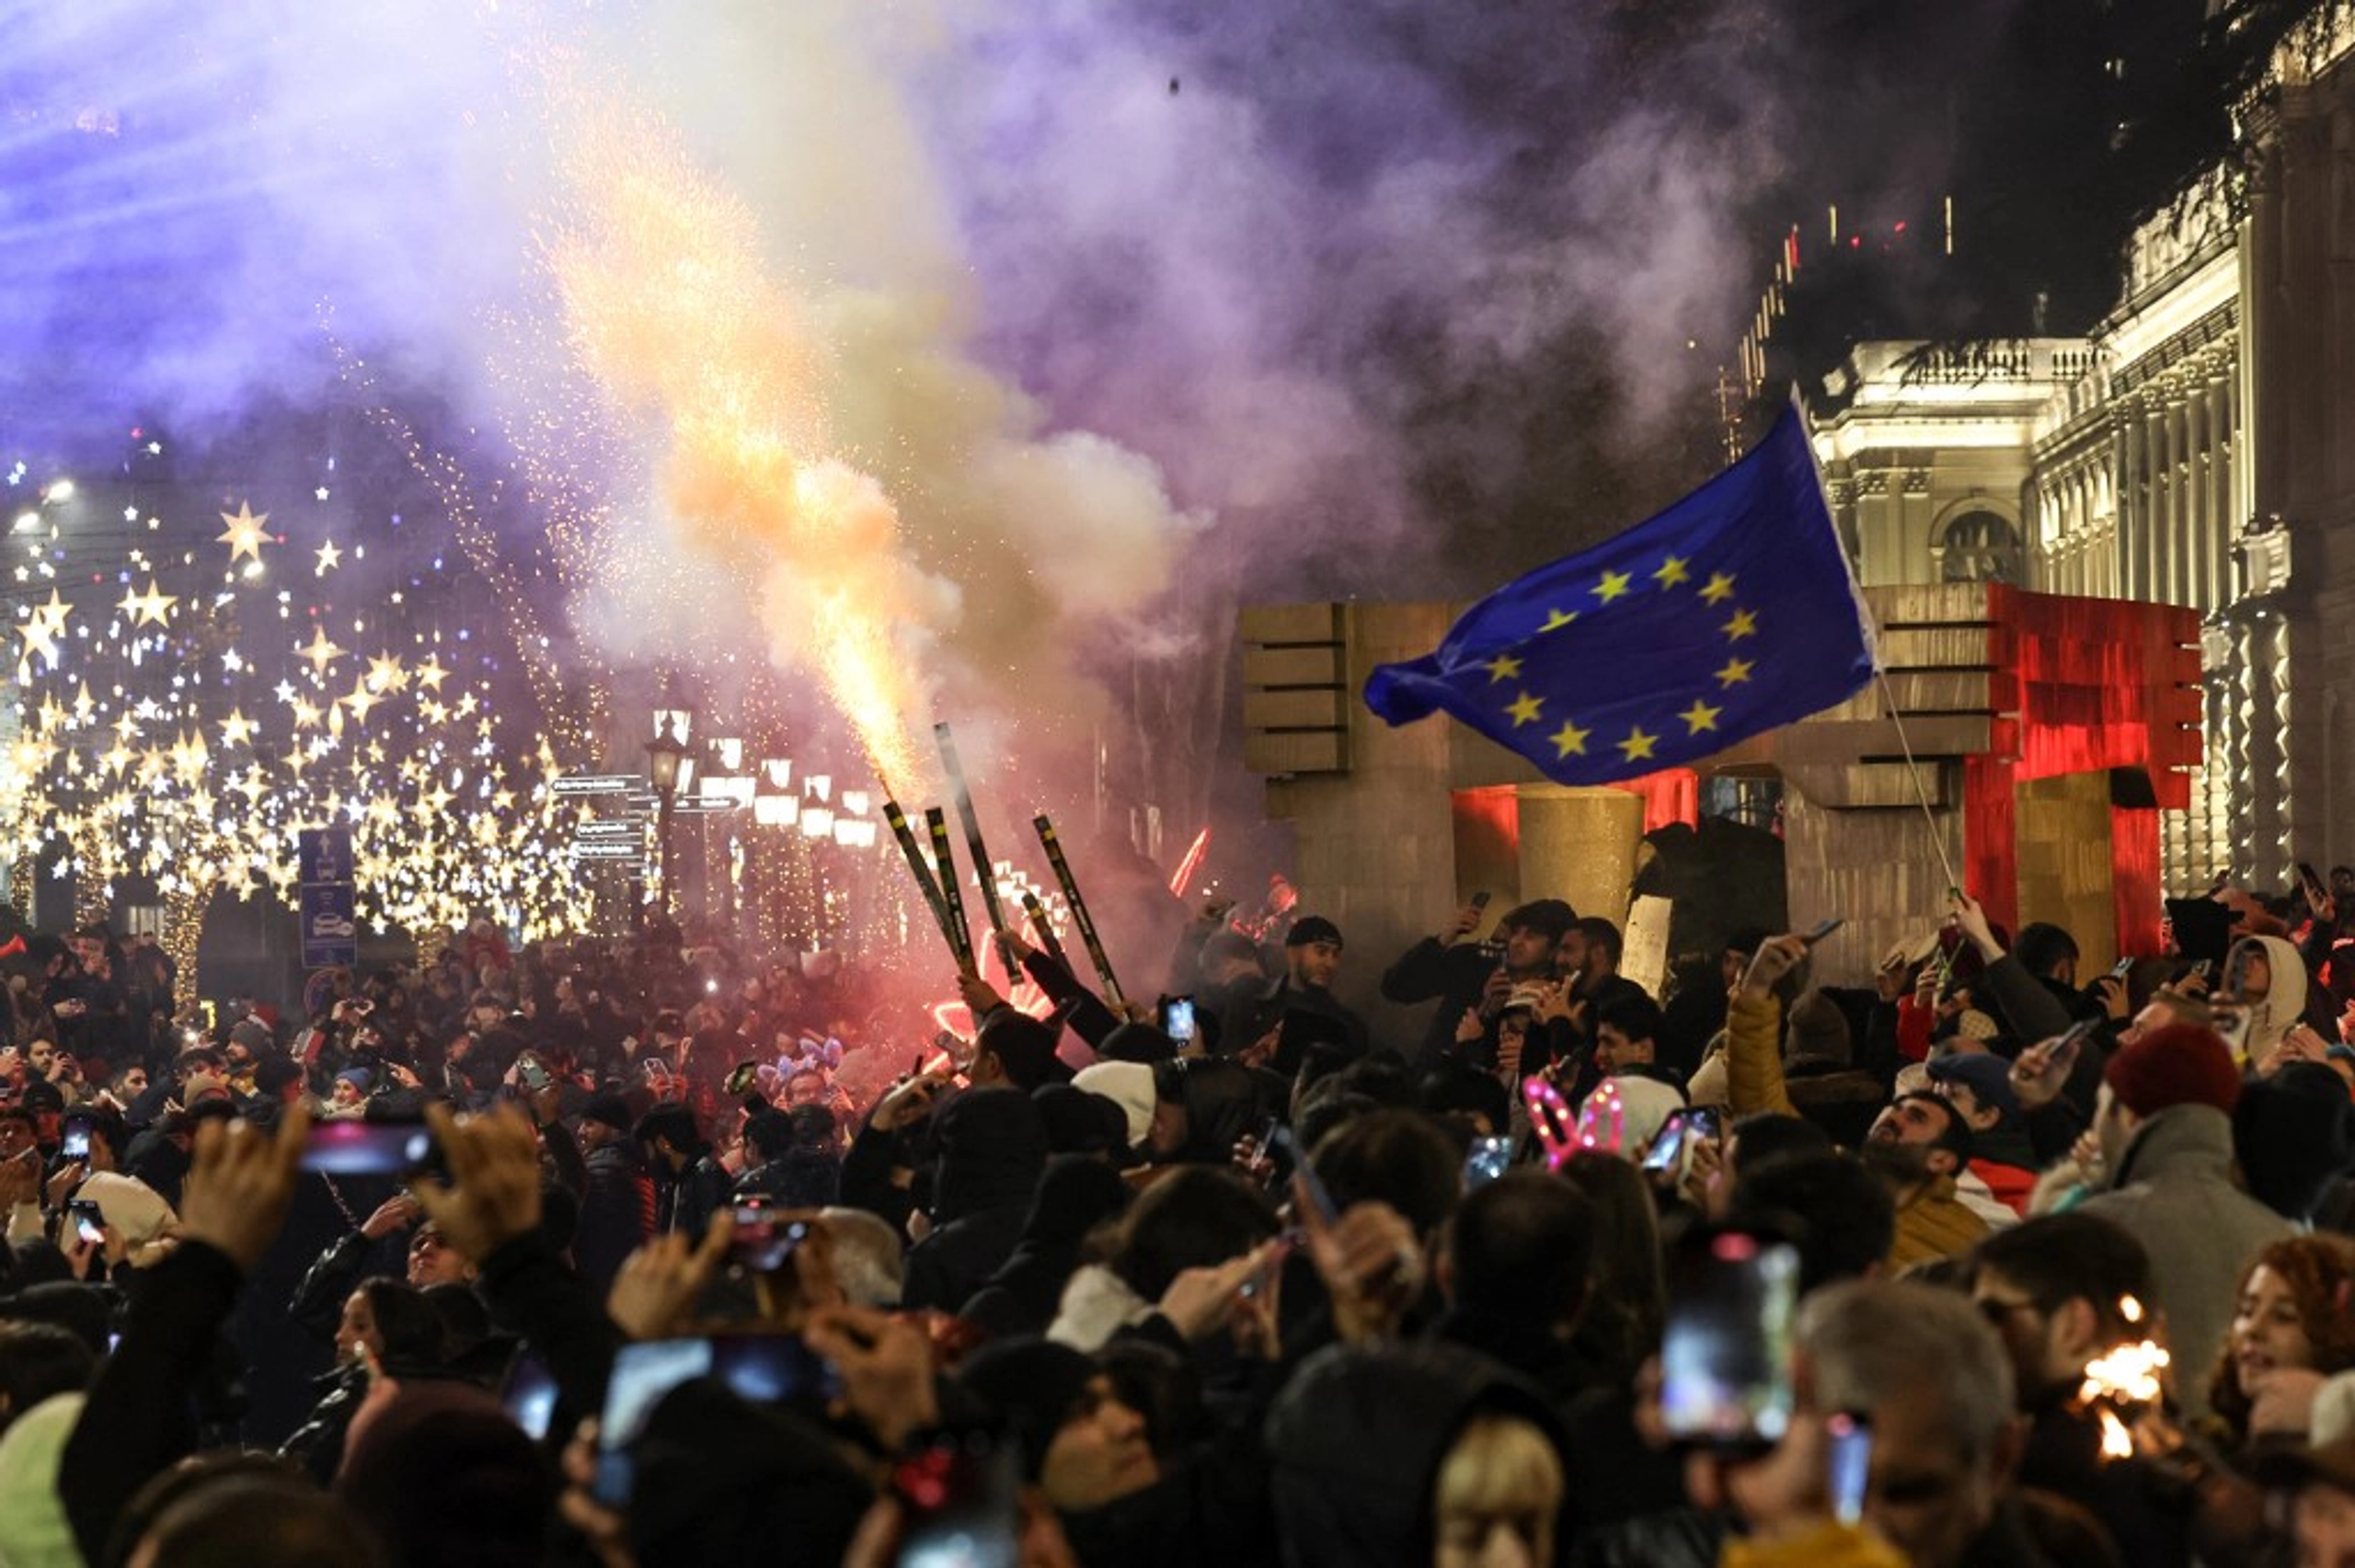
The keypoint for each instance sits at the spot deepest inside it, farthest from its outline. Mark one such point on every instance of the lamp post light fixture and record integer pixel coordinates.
(666, 761)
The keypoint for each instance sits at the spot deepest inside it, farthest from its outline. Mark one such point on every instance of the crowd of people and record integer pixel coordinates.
(643, 1252)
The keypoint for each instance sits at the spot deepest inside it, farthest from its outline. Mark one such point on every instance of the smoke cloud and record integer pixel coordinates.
(1112, 309)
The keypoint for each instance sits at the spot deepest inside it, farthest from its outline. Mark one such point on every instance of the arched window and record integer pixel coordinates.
(1978, 546)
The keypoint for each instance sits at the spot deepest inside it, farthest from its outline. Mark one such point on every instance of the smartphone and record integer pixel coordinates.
(1490, 1158)
(1319, 1196)
(644, 1371)
(774, 1369)
(89, 1220)
(1726, 1353)
(368, 1148)
(529, 1394)
(2123, 967)
(1672, 1148)
(74, 1137)
(2065, 1048)
(2204, 968)
(1821, 929)
(2232, 1026)
(763, 1238)
(1177, 1018)
(532, 1074)
(1850, 1464)
(961, 1499)
(765, 1368)
(1480, 898)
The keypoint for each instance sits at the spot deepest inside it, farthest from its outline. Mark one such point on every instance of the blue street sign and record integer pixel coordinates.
(331, 930)
(323, 854)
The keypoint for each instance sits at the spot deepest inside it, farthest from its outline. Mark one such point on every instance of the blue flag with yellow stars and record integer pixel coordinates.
(1729, 613)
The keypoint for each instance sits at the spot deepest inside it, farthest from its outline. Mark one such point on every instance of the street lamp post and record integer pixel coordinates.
(663, 754)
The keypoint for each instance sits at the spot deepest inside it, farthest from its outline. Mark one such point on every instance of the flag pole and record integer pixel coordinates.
(1880, 673)
(1913, 772)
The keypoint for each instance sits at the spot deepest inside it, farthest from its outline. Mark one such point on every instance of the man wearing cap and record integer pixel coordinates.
(617, 1204)
(1463, 976)
(2164, 1122)
(1301, 1008)
(1979, 1086)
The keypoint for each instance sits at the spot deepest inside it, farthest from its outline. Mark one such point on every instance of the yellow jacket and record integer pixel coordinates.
(1830, 1544)
(1755, 1057)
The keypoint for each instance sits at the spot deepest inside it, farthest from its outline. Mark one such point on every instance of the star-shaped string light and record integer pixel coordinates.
(244, 534)
(322, 652)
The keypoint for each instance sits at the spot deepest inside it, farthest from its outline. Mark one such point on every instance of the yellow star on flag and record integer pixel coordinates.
(1526, 710)
(1700, 716)
(1743, 625)
(1612, 585)
(1558, 619)
(1638, 745)
(1672, 572)
(1720, 586)
(244, 535)
(1569, 740)
(1736, 672)
(322, 651)
(1504, 667)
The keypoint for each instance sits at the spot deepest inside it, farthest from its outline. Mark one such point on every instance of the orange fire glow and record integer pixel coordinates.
(669, 305)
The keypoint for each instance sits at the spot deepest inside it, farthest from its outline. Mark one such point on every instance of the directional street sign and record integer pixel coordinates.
(323, 854)
(598, 851)
(599, 783)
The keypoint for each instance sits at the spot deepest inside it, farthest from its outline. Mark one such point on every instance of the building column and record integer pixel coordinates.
(2130, 472)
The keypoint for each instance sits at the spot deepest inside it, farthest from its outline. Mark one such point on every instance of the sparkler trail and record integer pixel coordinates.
(667, 304)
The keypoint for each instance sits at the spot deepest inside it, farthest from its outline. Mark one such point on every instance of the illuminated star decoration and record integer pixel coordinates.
(322, 652)
(244, 535)
(329, 557)
(153, 608)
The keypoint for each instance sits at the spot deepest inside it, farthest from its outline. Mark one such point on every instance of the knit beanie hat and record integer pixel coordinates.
(2181, 1064)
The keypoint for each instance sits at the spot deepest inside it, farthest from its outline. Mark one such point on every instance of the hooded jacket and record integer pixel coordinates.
(992, 1151)
(2173, 1190)
(2284, 1005)
(1077, 1194)
(1366, 1502)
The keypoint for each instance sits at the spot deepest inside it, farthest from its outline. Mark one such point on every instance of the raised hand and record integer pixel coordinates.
(240, 1183)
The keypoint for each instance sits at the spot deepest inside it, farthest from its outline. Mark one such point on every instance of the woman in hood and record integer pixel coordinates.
(2272, 981)
(1451, 1461)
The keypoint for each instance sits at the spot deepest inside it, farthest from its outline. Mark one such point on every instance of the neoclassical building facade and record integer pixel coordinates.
(2197, 449)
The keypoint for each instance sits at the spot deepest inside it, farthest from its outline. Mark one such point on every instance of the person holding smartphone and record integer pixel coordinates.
(1464, 976)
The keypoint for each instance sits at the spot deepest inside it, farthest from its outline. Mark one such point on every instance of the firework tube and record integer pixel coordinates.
(952, 898)
(1047, 939)
(1079, 916)
(984, 867)
(909, 847)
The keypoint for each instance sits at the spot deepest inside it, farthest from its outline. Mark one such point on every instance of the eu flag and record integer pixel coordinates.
(1729, 613)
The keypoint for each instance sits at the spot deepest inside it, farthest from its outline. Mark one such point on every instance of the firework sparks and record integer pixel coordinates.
(668, 306)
